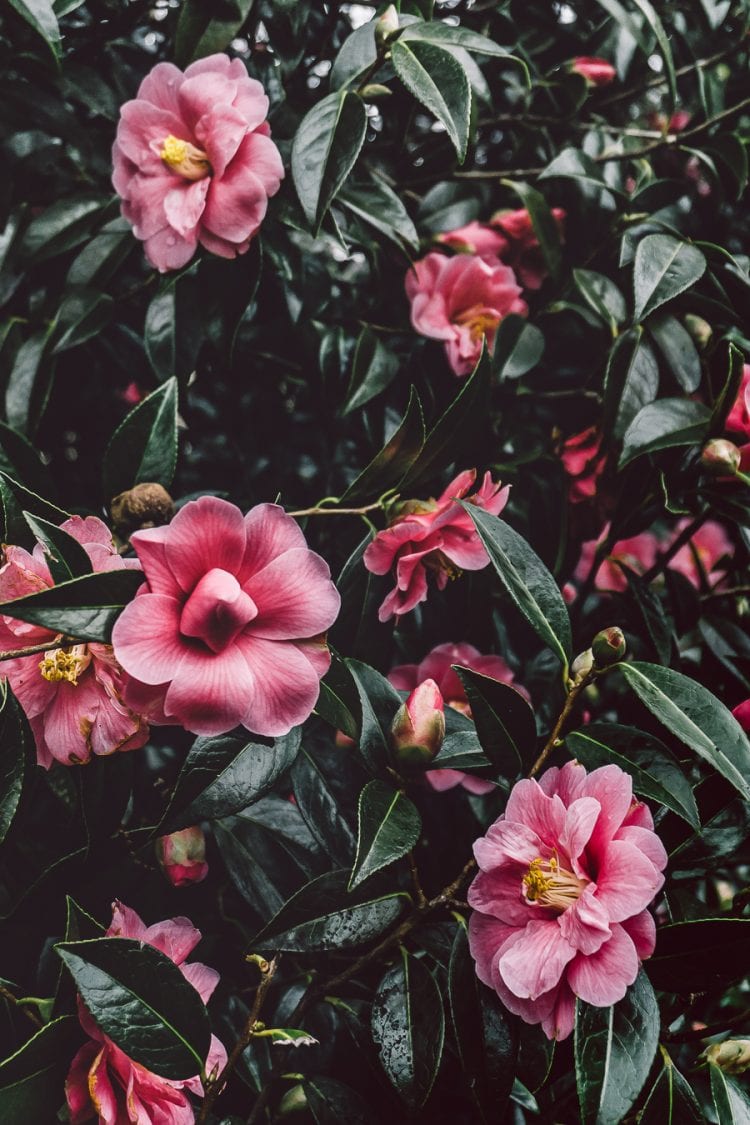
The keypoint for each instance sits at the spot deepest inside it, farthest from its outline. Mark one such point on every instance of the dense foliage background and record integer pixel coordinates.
(293, 374)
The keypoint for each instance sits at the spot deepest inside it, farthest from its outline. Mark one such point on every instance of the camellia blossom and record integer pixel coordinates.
(476, 238)
(72, 696)
(524, 254)
(103, 1082)
(638, 553)
(437, 666)
(462, 300)
(596, 71)
(697, 559)
(194, 162)
(435, 535)
(560, 902)
(584, 462)
(229, 626)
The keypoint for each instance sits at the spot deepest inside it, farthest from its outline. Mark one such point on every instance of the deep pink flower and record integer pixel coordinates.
(227, 628)
(524, 253)
(476, 238)
(435, 534)
(738, 421)
(698, 558)
(565, 879)
(103, 1082)
(461, 300)
(584, 462)
(638, 553)
(437, 666)
(182, 856)
(194, 162)
(742, 714)
(597, 72)
(72, 696)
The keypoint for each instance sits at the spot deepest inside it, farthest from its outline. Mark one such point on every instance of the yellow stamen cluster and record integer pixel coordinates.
(184, 158)
(550, 885)
(483, 324)
(65, 664)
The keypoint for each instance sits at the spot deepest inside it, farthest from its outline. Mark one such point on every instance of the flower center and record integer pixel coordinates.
(480, 322)
(184, 158)
(217, 610)
(437, 561)
(551, 885)
(65, 664)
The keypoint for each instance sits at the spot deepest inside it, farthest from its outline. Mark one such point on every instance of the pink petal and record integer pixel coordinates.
(406, 677)
(507, 840)
(77, 1085)
(613, 789)
(251, 101)
(217, 610)
(150, 546)
(183, 205)
(561, 1020)
(269, 533)
(285, 685)
(585, 924)
(70, 717)
(533, 961)
(175, 937)
(219, 132)
(167, 250)
(220, 246)
(476, 785)
(102, 1090)
(317, 653)
(236, 204)
(642, 931)
(210, 692)
(145, 197)
(486, 938)
(529, 805)
(207, 533)
(444, 779)
(499, 894)
(647, 842)
(202, 978)
(400, 601)
(295, 597)
(142, 130)
(580, 818)
(203, 92)
(161, 86)
(603, 978)
(259, 155)
(146, 638)
(627, 881)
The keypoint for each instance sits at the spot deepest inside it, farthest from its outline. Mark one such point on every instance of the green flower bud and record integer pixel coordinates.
(700, 330)
(732, 1056)
(608, 646)
(720, 457)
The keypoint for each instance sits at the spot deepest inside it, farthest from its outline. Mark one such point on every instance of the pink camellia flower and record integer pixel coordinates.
(584, 462)
(524, 253)
(738, 421)
(72, 696)
(434, 534)
(476, 238)
(103, 1082)
(565, 877)
(742, 714)
(182, 856)
(437, 666)
(597, 72)
(461, 300)
(194, 162)
(638, 553)
(698, 558)
(418, 728)
(228, 627)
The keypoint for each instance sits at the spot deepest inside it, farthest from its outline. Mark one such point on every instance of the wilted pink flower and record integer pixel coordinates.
(597, 72)
(638, 553)
(698, 558)
(194, 162)
(437, 666)
(475, 238)
(434, 534)
(228, 627)
(524, 253)
(583, 461)
(103, 1082)
(418, 728)
(182, 856)
(565, 877)
(461, 300)
(72, 696)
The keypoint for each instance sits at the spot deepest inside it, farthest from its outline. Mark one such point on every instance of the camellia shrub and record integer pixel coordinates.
(375, 504)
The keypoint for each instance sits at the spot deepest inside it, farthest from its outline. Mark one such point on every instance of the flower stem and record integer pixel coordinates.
(562, 718)
(665, 557)
(59, 642)
(335, 511)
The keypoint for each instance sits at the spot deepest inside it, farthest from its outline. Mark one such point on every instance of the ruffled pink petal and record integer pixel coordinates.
(499, 893)
(150, 545)
(207, 533)
(217, 610)
(33, 692)
(220, 246)
(184, 204)
(203, 92)
(561, 1020)
(102, 1090)
(295, 596)
(219, 132)
(476, 785)
(161, 87)
(399, 601)
(533, 961)
(216, 1060)
(627, 881)
(202, 978)
(236, 204)
(175, 937)
(646, 841)
(70, 718)
(317, 653)
(285, 685)
(642, 931)
(529, 805)
(258, 155)
(145, 196)
(210, 692)
(167, 250)
(604, 977)
(580, 818)
(77, 1084)
(142, 131)
(613, 789)
(444, 779)
(486, 938)
(507, 840)
(585, 924)
(126, 922)
(405, 677)
(269, 533)
(146, 638)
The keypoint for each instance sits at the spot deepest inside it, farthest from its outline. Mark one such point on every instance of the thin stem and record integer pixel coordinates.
(728, 592)
(632, 92)
(25, 1008)
(14, 653)
(335, 511)
(694, 1034)
(562, 718)
(666, 556)
(421, 896)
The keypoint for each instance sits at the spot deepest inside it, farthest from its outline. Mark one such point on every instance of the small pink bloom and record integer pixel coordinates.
(738, 421)
(476, 238)
(105, 1084)
(698, 558)
(524, 253)
(679, 120)
(418, 729)
(132, 394)
(228, 627)
(597, 72)
(437, 535)
(584, 462)
(437, 666)
(72, 696)
(560, 902)
(638, 553)
(194, 162)
(182, 856)
(461, 300)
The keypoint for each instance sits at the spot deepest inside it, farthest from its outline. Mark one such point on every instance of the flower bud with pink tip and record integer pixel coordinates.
(597, 72)
(418, 730)
(182, 856)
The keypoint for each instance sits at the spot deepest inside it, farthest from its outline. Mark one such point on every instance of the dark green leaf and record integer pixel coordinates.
(376, 204)
(17, 757)
(338, 700)
(65, 556)
(85, 608)
(665, 424)
(676, 345)
(20, 460)
(30, 382)
(671, 1100)
(652, 611)
(143, 448)
(82, 315)
(325, 149)
(701, 955)
(389, 827)
(631, 380)
(664, 267)
(379, 702)
(373, 370)
(203, 29)
(141, 1000)
(518, 347)
(40, 15)
(602, 295)
(32, 1079)
(437, 80)
(396, 458)
(332, 1103)
(462, 750)
(435, 31)
(726, 398)
(320, 809)
(730, 1100)
(173, 329)
(357, 55)
(15, 500)
(665, 48)
(504, 721)
(61, 226)
(102, 256)
(543, 221)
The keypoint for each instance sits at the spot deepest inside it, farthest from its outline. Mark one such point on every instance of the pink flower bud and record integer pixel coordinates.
(418, 729)
(720, 457)
(597, 72)
(182, 856)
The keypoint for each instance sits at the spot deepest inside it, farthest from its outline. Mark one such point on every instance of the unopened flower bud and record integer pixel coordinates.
(732, 1056)
(608, 646)
(720, 457)
(144, 505)
(597, 72)
(699, 329)
(374, 90)
(386, 25)
(418, 730)
(182, 856)
(582, 666)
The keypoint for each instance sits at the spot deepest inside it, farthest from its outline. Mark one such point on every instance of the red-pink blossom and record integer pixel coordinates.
(637, 553)
(182, 856)
(596, 71)
(584, 462)
(476, 238)
(72, 696)
(524, 253)
(103, 1082)
(560, 902)
(435, 535)
(707, 547)
(437, 665)
(738, 420)
(462, 300)
(194, 162)
(228, 627)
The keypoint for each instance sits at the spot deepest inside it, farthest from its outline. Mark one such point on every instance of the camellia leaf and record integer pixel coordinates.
(542, 220)
(526, 579)
(518, 347)
(671, 1100)
(614, 1050)
(395, 459)
(631, 380)
(662, 39)
(665, 424)
(699, 955)
(379, 702)
(143, 448)
(142, 1002)
(325, 149)
(676, 345)
(602, 295)
(436, 31)
(408, 1027)
(696, 717)
(358, 52)
(65, 556)
(373, 369)
(664, 267)
(389, 827)
(83, 314)
(40, 15)
(172, 333)
(320, 809)
(731, 1100)
(85, 608)
(202, 30)
(504, 721)
(17, 757)
(16, 500)
(31, 1080)
(378, 205)
(330, 1101)
(437, 80)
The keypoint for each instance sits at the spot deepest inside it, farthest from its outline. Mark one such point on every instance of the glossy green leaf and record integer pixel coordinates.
(601, 293)
(85, 608)
(325, 149)
(20, 461)
(395, 459)
(332, 1103)
(32, 1079)
(40, 15)
(676, 345)
(17, 757)
(16, 499)
(696, 717)
(358, 52)
(374, 368)
(671, 1100)
(203, 29)
(378, 205)
(731, 1100)
(518, 347)
(445, 34)
(389, 827)
(320, 809)
(143, 448)
(664, 267)
(83, 315)
(142, 1002)
(61, 226)
(30, 382)
(631, 380)
(504, 721)
(543, 221)
(379, 702)
(437, 80)
(665, 424)
(614, 1050)
(102, 256)
(408, 1027)
(65, 556)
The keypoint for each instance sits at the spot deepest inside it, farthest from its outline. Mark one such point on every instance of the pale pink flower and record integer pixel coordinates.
(560, 902)
(194, 162)
(638, 553)
(597, 72)
(72, 696)
(461, 300)
(434, 535)
(475, 238)
(103, 1082)
(584, 462)
(524, 254)
(182, 856)
(437, 666)
(228, 627)
(697, 559)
